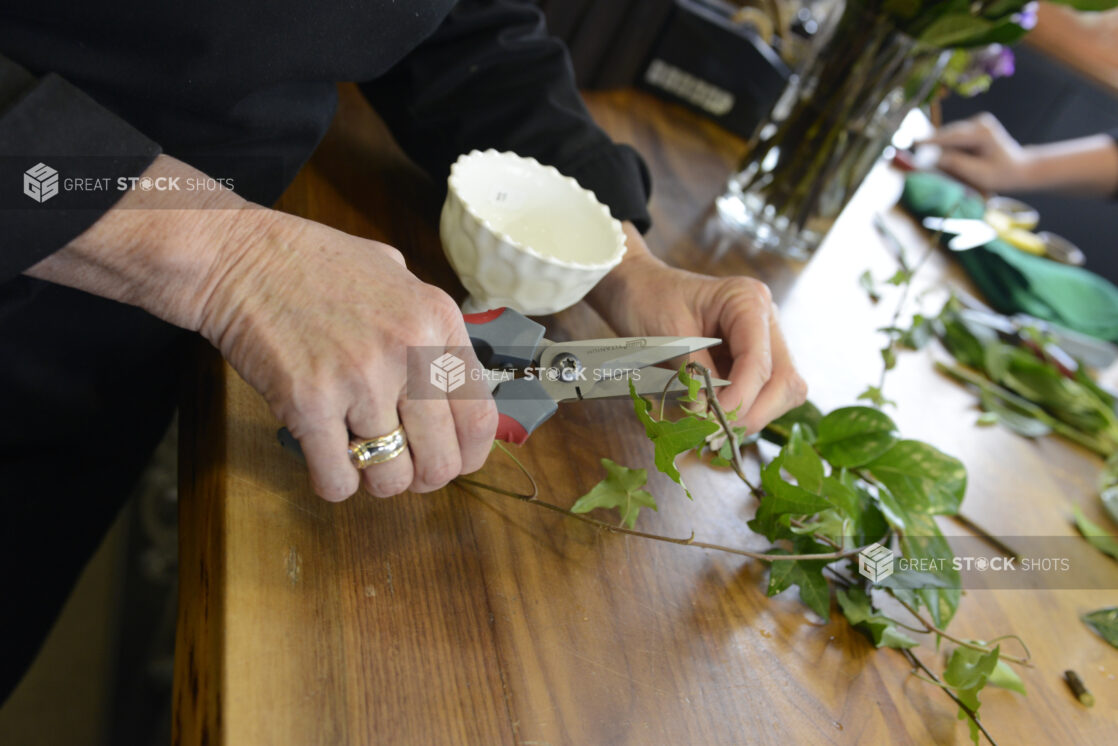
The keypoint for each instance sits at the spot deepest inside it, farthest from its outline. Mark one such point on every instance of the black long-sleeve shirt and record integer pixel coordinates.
(244, 90)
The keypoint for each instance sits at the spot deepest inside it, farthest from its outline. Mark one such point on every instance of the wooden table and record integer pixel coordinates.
(465, 617)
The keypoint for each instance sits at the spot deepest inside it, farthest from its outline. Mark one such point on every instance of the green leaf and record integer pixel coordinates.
(781, 502)
(693, 384)
(1089, 5)
(802, 462)
(900, 277)
(962, 341)
(671, 438)
(881, 630)
(851, 495)
(1104, 622)
(919, 334)
(954, 29)
(986, 419)
(874, 396)
(924, 542)
(865, 280)
(1109, 498)
(853, 436)
(921, 477)
(1019, 422)
(1095, 534)
(889, 357)
(815, 592)
(829, 523)
(967, 673)
(904, 9)
(1005, 677)
(620, 489)
(779, 430)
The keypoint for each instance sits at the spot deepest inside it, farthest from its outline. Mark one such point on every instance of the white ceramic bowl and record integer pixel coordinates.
(522, 235)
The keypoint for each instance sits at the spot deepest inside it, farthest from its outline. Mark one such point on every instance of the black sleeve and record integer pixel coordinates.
(51, 135)
(492, 77)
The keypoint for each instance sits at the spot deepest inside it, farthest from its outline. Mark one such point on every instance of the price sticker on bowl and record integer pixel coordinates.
(508, 199)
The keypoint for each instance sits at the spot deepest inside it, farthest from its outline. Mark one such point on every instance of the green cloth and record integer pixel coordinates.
(1011, 280)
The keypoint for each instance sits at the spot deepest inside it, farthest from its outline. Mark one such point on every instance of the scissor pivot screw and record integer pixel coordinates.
(568, 367)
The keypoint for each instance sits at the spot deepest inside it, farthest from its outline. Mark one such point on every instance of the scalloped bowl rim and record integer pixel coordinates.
(619, 248)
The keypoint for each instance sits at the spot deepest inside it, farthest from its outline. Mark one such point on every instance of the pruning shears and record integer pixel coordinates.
(506, 341)
(529, 375)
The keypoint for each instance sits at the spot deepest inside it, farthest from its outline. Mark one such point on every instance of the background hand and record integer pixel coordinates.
(980, 152)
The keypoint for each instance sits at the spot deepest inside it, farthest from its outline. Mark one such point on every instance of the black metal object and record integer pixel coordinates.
(718, 68)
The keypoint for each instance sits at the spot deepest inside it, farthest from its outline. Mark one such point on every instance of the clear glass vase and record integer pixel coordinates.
(825, 133)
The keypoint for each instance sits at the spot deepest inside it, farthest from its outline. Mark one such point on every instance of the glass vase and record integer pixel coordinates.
(826, 131)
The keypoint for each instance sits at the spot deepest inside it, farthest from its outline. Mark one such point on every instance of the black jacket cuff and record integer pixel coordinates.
(53, 135)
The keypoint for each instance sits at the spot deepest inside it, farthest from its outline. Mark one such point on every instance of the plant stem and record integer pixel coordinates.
(911, 657)
(689, 541)
(959, 641)
(720, 413)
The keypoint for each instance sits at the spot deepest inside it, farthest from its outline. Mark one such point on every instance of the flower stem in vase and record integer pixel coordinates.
(807, 163)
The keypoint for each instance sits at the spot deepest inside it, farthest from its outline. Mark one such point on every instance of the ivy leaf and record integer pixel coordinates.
(620, 489)
(1105, 623)
(802, 462)
(815, 592)
(919, 334)
(1095, 534)
(874, 396)
(865, 280)
(1005, 677)
(921, 477)
(889, 357)
(853, 436)
(693, 385)
(900, 277)
(881, 630)
(807, 415)
(924, 542)
(671, 438)
(829, 523)
(851, 495)
(967, 673)
(782, 500)
(1019, 422)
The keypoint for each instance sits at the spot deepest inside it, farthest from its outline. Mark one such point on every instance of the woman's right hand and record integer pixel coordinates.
(318, 321)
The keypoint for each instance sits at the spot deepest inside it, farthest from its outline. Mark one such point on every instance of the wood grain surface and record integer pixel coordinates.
(467, 617)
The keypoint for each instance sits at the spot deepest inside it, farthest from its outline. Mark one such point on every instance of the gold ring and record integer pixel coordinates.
(366, 452)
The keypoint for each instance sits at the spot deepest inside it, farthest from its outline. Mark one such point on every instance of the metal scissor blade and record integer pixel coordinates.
(646, 381)
(626, 353)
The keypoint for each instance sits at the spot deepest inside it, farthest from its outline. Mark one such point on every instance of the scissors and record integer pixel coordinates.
(529, 375)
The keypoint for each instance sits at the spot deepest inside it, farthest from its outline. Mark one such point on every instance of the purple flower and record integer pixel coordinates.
(1026, 19)
(996, 60)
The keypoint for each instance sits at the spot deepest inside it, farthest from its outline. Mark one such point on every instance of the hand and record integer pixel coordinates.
(320, 323)
(316, 320)
(980, 152)
(644, 296)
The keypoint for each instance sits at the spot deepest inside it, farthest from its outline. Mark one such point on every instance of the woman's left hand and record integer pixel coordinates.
(645, 297)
